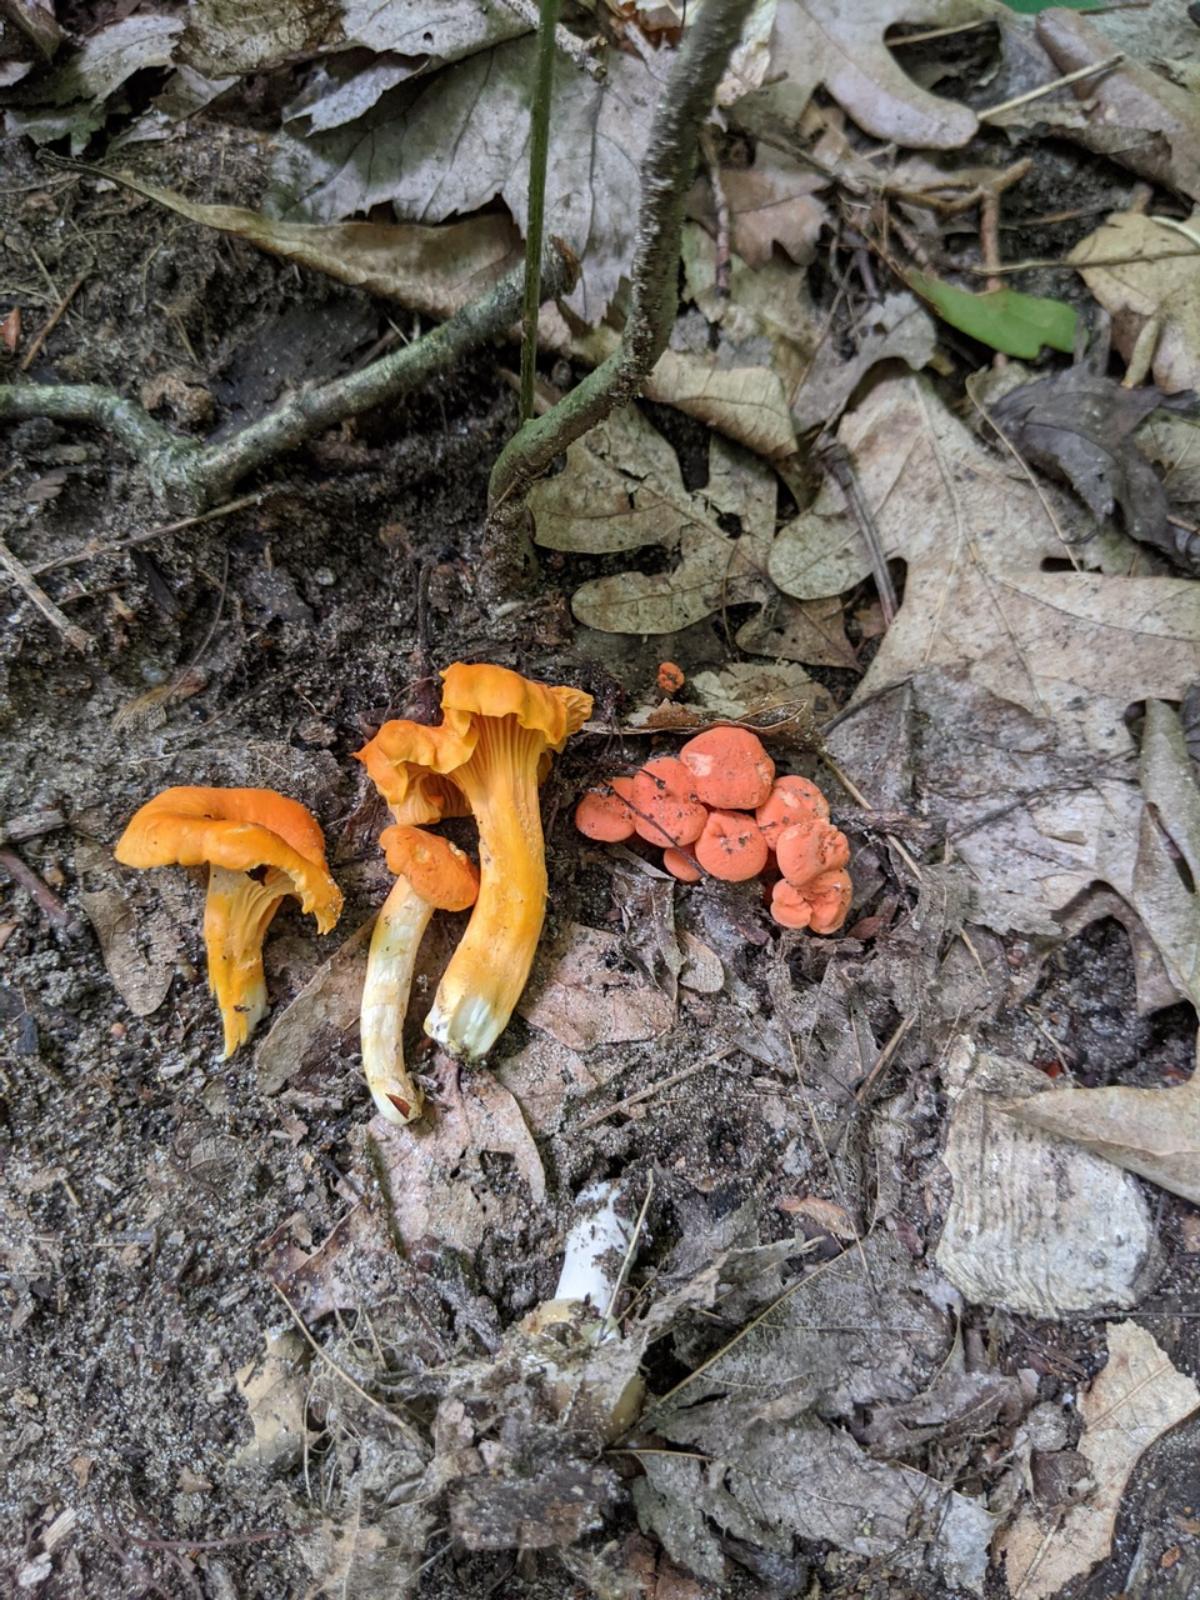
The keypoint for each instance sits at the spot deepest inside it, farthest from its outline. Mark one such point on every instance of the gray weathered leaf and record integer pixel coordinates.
(461, 143)
(240, 36)
(1170, 829)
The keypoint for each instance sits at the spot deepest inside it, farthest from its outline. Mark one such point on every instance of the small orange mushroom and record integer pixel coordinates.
(493, 747)
(821, 904)
(237, 832)
(792, 800)
(732, 846)
(665, 805)
(732, 770)
(606, 815)
(431, 873)
(670, 678)
(808, 848)
(681, 864)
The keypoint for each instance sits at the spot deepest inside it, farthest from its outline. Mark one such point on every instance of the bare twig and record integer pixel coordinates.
(835, 459)
(20, 574)
(92, 552)
(539, 150)
(52, 322)
(48, 902)
(31, 825)
(652, 1089)
(201, 473)
(666, 175)
(1049, 88)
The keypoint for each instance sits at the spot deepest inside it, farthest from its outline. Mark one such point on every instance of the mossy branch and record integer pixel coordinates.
(666, 177)
(198, 475)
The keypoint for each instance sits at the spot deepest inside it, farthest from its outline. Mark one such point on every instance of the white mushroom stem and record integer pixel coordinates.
(598, 1254)
(399, 928)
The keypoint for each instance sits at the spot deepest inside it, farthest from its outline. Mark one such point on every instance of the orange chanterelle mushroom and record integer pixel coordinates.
(493, 748)
(237, 833)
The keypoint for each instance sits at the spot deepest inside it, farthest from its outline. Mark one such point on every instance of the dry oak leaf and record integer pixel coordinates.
(773, 202)
(839, 46)
(1073, 646)
(432, 269)
(240, 36)
(1136, 116)
(622, 487)
(460, 143)
(1135, 1400)
(1154, 302)
(438, 1184)
(583, 993)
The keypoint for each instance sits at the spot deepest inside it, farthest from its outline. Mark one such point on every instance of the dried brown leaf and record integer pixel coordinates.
(320, 1016)
(1131, 113)
(584, 993)
(1135, 1400)
(1152, 293)
(823, 42)
(139, 950)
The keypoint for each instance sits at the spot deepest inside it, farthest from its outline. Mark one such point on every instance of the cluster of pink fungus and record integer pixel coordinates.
(718, 809)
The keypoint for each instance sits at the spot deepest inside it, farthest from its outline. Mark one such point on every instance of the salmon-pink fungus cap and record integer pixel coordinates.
(681, 864)
(732, 846)
(665, 806)
(808, 848)
(732, 770)
(603, 813)
(792, 799)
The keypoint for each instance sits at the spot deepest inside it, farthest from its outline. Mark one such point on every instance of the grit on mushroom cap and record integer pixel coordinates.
(436, 869)
(239, 830)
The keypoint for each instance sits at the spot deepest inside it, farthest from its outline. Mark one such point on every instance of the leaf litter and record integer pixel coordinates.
(858, 1188)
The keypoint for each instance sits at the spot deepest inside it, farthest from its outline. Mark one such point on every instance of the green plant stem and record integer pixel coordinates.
(539, 149)
(198, 475)
(666, 175)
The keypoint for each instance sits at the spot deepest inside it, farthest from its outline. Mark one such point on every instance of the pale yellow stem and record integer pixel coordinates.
(488, 971)
(402, 921)
(237, 913)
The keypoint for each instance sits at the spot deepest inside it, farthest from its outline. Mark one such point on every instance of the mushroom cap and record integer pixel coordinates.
(412, 764)
(808, 848)
(607, 817)
(830, 896)
(681, 864)
(407, 760)
(733, 771)
(821, 905)
(670, 678)
(790, 906)
(731, 846)
(437, 869)
(483, 690)
(239, 830)
(792, 799)
(666, 808)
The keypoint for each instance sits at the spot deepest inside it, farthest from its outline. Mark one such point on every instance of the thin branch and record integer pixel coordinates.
(201, 474)
(78, 638)
(666, 178)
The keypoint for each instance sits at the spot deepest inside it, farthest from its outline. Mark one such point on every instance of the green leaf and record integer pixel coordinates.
(1017, 324)
(1030, 8)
